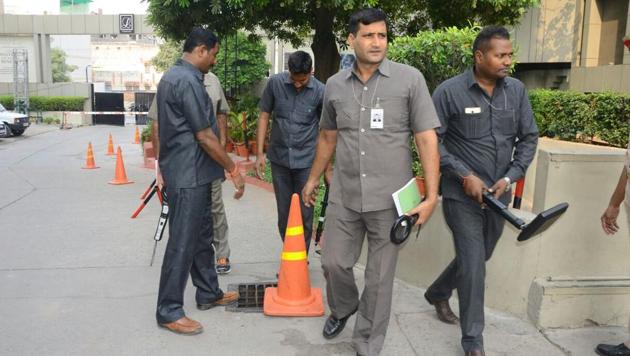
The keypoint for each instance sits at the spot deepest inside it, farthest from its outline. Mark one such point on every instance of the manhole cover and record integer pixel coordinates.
(251, 296)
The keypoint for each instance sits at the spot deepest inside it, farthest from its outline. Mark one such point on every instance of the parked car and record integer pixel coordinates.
(3, 130)
(14, 122)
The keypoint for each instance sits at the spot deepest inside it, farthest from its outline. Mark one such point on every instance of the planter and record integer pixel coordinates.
(229, 146)
(420, 183)
(253, 147)
(241, 150)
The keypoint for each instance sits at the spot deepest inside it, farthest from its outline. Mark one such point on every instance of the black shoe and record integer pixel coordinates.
(334, 326)
(612, 350)
(443, 310)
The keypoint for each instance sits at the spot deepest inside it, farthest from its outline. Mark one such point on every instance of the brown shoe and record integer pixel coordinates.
(475, 353)
(228, 298)
(184, 326)
(443, 310)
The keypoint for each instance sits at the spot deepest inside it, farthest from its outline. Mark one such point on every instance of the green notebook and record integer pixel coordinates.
(407, 197)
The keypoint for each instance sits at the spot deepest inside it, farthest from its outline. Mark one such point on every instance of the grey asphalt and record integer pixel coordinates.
(75, 276)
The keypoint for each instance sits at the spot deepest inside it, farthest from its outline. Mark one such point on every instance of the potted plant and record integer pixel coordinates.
(237, 134)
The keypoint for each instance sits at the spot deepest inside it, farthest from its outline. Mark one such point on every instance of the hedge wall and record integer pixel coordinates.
(574, 116)
(48, 103)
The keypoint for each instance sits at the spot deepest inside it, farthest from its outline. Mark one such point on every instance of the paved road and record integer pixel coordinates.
(75, 276)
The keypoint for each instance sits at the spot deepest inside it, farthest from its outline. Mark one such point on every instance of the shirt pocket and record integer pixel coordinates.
(395, 112)
(506, 122)
(472, 125)
(305, 114)
(347, 117)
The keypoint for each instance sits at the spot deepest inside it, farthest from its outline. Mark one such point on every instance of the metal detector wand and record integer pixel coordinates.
(159, 231)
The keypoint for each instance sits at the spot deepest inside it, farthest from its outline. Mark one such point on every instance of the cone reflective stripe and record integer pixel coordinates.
(120, 176)
(294, 295)
(136, 137)
(110, 146)
(89, 161)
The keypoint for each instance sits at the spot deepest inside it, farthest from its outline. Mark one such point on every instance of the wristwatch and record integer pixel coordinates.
(509, 183)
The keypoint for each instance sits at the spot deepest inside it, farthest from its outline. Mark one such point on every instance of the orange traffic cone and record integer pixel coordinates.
(89, 162)
(136, 137)
(110, 146)
(121, 176)
(294, 295)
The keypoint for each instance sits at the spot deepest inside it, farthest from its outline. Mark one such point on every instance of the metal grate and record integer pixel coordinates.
(251, 296)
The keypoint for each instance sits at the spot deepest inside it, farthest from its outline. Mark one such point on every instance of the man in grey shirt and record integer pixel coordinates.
(370, 112)
(295, 98)
(488, 139)
(191, 157)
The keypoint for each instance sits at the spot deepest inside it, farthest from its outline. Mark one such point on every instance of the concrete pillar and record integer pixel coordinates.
(591, 35)
(46, 59)
(1, 7)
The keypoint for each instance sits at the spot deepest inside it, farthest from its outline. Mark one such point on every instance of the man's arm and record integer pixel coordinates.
(609, 218)
(211, 145)
(426, 142)
(527, 133)
(326, 143)
(261, 134)
(222, 121)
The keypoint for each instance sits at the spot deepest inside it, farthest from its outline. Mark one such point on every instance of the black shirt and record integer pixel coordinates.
(491, 137)
(295, 123)
(184, 109)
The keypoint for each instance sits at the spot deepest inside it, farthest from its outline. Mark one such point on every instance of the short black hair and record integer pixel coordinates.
(366, 17)
(198, 37)
(300, 62)
(482, 41)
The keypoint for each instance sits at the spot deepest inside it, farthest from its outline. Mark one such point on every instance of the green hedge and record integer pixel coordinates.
(574, 116)
(48, 103)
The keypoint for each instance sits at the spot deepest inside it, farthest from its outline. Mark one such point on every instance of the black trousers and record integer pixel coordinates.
(476, 232)
(188, 251)
(287, 181)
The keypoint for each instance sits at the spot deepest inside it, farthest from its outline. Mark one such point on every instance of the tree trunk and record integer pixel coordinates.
(324, 45)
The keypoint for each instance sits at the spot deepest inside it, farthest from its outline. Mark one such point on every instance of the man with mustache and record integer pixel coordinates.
(487, 140)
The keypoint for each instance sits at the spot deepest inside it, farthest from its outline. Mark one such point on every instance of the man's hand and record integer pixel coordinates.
(499, 188)
(309, 192)
(239, 184)
(424, 210)
(609, 220)
(260, 166)
(473, 187)
(158, 176)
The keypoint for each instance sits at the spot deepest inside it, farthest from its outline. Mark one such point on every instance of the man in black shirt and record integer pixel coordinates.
(191, 157)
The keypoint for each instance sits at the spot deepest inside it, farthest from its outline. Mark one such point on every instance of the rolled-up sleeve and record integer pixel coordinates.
(196, 106)
(448, 161)
(328, 120)
(422, 112)
(267, 98)
(525, 146)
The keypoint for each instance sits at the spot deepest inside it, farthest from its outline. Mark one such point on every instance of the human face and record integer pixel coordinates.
(207, 57)
(495, 62)
(370, 42)
(299, 80)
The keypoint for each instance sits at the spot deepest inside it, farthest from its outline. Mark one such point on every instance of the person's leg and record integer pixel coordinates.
(220, 227)
(203, 273)
(283, 188)
(376, 300)
(344, 230)
(186, 215)
(300, 176)
(466, 221)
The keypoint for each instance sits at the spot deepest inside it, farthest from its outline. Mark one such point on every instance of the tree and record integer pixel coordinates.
(295, 21)
(242, 71)
(60, 68)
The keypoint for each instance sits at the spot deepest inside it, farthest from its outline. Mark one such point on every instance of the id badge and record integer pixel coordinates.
(376, 118)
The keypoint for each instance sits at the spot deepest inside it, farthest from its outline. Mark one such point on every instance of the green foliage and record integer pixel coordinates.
(51, 120)
(168, 54)
(147, 132)
(486, 12)
(439, 54)
(48, 103)
(235, 127)
(576, 116)
(238, 73)
(60, 69)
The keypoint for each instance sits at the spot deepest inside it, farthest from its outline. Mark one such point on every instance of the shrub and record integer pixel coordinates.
(574, 116)
(147, 132)
(48, 103)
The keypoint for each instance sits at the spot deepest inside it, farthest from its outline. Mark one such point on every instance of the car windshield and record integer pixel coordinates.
(2, 108)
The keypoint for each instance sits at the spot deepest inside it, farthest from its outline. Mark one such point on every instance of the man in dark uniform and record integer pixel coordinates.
(488, 138)
(191, 157)
(295, 98)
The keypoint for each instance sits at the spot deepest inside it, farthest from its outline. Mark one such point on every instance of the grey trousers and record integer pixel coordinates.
(219, 221)
(345, 231)
(476, 232)
(188, 251)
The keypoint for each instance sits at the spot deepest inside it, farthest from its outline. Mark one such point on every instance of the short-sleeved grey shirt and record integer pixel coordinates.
(491, 137)
(184, 109)
(373, 163)
(215, 91)
(295, 122)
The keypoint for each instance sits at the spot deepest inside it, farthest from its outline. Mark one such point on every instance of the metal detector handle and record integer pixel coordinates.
(159, 231)
(497, 206)
(322, 217)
